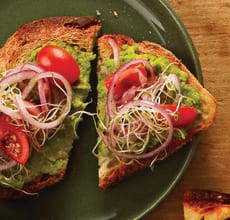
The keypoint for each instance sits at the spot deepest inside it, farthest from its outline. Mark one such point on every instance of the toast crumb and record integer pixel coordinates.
(115, 14)
(98, 13)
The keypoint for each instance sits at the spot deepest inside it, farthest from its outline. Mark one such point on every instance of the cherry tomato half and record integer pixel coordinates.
(132, 76)
(13, 140)
(185, 115)
(53, 58)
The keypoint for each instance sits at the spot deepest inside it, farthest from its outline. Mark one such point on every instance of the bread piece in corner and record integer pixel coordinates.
(206, 205)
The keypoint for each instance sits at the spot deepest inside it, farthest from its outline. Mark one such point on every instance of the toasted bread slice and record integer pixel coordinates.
(206, 204)
(75, 31)
(111, 170)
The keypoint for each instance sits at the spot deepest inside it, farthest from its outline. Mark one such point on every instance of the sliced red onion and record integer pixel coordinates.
(13, 71)
(43, 89)
(26, 66)
(138, 61)
(5, 161)
(111, 106)
(42, 85)
(8, 111)
(29, 117)
(115, 49)
(17, 77)
(154, 151)
(9, 80)
(36, 75)
(142, 78)
(110, 102)
(31, 66)
(32, 107)
(128, 95)
(26, 71)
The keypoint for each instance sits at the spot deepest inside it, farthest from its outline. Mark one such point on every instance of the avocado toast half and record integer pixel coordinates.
(149, 106)
(47, 164)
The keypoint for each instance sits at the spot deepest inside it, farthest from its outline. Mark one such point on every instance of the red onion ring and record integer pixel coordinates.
(115, 49)
(110, 106)
(21, 112)
(8, 111)
(8, 162)
(13, 71)
(7, 81)
(128, 95)
(42, 85)
(142, 78)
(29, 117)
(155, 151)
(26, 66)
(31, 66)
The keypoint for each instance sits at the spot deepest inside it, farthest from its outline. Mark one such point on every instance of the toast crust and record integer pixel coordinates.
(33, 187)
(111, 171)
(80, 31)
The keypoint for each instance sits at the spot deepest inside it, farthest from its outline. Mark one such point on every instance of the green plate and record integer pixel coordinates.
(77, 196)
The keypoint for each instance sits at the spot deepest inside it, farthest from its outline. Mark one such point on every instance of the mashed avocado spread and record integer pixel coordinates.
(159, 63)
(53, 156)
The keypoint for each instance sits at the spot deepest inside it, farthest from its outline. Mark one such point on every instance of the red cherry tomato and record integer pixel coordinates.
(53, 58)
(184, 117)
(13, 140)
(132, 76)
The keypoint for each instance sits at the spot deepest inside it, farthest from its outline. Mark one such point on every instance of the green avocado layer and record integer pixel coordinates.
(54, 155)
